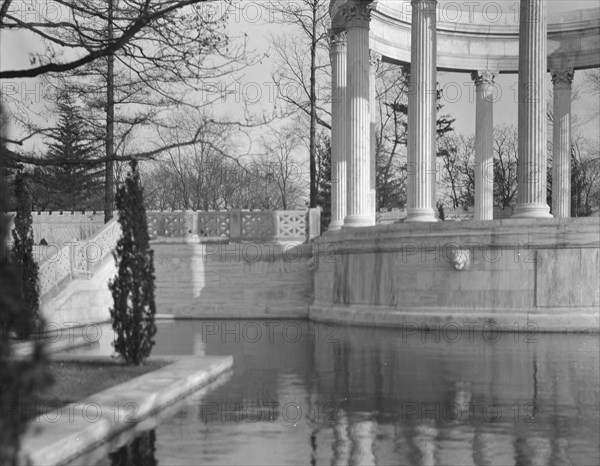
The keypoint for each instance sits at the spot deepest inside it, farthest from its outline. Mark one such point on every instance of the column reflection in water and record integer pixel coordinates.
(140, 452)
(378, 396)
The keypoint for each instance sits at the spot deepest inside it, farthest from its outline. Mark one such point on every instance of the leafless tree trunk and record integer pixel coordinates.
(109, 179)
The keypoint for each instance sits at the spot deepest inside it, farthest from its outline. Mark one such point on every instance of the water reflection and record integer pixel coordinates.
(139, 452)
(372, 397)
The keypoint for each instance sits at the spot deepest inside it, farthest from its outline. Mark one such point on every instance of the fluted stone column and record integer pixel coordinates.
(338, 130)
(422, 113)
(360, 191)
(375, 59)
(561, 144)
(484, 139)
(532, 162)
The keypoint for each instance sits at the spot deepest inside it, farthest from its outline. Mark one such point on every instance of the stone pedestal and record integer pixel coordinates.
(338, 129)
(484, 139)
(561, 144)
(532, 163)
(422, 114)
(360, 191)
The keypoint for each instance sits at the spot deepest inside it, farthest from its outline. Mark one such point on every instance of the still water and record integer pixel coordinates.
(304, 393)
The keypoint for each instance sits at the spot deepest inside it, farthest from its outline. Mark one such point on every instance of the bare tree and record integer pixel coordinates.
(505, 166)
(585, 179)
(199, 176)
(281, 168)
(390, 138)
(84, 41)
(161, 55)
(311, 17)
(457, 169)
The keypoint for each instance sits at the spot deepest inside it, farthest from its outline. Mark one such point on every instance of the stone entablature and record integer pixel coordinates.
(477, 40)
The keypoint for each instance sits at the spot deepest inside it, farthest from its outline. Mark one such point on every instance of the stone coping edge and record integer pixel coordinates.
(60, 436)
(557, 320)
(25, 348)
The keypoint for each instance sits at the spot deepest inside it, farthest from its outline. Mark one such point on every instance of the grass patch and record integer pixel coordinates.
(76, 380)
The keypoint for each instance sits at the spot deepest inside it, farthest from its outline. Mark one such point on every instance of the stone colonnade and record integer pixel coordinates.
(353, 121)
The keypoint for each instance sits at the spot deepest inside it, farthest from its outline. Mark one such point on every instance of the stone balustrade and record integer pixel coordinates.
(76, 259)
(235, 225)
(63, 227)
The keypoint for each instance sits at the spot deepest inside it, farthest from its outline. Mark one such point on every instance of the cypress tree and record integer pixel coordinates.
(22, 252)
(132, 289)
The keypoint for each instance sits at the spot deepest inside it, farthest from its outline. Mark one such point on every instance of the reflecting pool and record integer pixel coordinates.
(308, 393)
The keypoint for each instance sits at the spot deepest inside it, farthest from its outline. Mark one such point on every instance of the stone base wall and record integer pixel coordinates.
(235, 280)
(195, 280)
(533, 275)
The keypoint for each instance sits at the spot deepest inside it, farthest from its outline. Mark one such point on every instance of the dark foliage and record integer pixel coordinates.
(74, 181)
(133, 288)
(22, 251)
(20, 379)
(391, 175)
(324, 180)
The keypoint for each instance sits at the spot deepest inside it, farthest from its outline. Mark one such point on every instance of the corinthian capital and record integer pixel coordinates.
(356, 13)
(337, 41)
(425, 6)
(374, 58)
(485, 77)
(562, 76)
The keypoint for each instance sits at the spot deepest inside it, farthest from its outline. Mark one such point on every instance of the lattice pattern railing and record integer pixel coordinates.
(291, 224)
(87, 254)
(213, 225)
(233, 225)
(257, 225)
(63, 227)
(56, 270)
(170, 224)
(77, 259)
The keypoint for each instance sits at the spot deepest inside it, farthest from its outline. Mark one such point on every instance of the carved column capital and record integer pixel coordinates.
(427, 6)
(374, 58)
(356, 14)
(562, 76)
(338, 41)
(484, 77)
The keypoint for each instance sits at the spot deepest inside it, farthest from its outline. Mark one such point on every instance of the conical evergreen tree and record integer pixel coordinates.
(22, 251)
(73, 182)
(133, 288)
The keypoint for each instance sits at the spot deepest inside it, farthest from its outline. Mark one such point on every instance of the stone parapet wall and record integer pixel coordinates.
(59, 228)
(236, 280)
(509, 271)
(235, 225)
